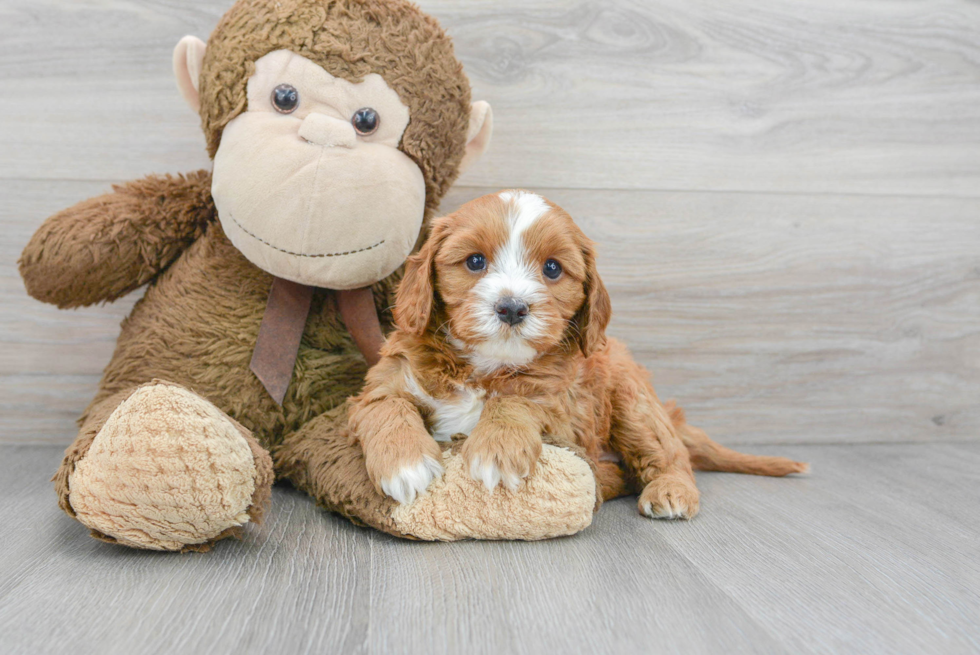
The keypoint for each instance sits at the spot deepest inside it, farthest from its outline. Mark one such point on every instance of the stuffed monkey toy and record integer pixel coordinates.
(335, 127)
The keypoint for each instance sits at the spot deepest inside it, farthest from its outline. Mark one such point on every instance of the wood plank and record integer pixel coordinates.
(871, 97)
(773, 318)
(871, 553)
(813, 96)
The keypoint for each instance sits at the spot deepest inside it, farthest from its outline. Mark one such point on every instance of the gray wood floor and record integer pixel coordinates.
(877, 551)
(787, 201)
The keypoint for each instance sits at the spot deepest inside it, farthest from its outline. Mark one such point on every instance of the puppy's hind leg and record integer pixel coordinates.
(644, 435)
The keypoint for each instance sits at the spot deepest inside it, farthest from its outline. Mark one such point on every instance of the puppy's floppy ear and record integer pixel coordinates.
(593, 317)
(416, 294)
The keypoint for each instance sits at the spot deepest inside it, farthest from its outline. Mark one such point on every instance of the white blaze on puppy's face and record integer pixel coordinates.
(513, 234)
(511, 273)
(306, 195)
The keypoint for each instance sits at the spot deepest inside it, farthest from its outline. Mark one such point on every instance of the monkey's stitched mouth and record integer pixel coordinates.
(301, 254)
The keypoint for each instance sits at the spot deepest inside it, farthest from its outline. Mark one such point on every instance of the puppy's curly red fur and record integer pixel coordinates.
(462, 362)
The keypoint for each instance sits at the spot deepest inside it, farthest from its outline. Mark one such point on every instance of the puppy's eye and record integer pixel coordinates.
(552, 269)
(476, 262)
(285, 98)
(365, 121)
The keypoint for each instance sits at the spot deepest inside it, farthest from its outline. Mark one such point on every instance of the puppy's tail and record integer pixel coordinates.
(706, 455)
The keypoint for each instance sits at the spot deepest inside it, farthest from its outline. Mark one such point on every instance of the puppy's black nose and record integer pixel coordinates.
(511, 310)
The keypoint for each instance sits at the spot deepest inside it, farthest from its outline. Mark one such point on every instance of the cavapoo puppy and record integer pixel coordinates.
(500, 336)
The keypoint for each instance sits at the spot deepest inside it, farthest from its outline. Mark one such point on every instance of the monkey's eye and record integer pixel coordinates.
(365, 121)
(552, 269)
(476, 262)
(285, 98)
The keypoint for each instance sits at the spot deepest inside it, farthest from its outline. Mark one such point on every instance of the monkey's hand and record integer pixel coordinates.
(104, 247)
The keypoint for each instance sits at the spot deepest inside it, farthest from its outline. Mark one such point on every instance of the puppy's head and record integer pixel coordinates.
(510, 276)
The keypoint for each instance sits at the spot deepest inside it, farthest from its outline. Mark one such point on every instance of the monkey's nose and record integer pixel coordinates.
(327, 131)
(511, 310)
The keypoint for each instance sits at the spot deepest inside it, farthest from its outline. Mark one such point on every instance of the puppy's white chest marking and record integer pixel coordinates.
(457, 413)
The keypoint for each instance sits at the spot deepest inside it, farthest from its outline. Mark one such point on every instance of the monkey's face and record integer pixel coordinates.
(335, 126)
(309, 181)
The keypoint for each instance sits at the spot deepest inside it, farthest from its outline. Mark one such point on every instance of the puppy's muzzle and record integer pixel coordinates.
(511, 310)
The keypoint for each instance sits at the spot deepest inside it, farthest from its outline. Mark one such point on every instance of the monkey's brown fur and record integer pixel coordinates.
(196, 326)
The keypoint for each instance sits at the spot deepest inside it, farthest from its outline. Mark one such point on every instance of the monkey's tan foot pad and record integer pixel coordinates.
(170, 471)
(556, 500)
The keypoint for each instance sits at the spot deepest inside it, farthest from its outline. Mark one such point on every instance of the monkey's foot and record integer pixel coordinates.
(170, 471)
(557, 499)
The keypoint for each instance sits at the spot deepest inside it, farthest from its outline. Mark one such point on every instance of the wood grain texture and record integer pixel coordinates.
(875, 552)
(869, 97)
(50, 360)
(786, 198)
(875, 535)
(773, 318)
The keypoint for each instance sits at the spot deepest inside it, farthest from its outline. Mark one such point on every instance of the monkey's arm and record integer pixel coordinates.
(104, 247)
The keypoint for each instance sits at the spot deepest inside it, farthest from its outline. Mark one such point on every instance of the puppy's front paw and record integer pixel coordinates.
(496, 454)
(403, 464)
(670, 496)
(411, 480)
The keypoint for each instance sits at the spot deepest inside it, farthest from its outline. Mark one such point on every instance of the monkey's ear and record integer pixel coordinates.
(188, 59)
(478, 135)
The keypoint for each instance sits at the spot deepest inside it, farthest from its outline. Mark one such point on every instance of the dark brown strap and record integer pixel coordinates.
(279, 335)
(361, 318)
(282, 328)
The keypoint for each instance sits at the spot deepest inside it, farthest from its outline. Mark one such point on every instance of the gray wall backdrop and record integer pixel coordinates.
(787, 195)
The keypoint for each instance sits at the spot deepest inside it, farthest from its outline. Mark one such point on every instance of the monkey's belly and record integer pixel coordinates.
(197, 327)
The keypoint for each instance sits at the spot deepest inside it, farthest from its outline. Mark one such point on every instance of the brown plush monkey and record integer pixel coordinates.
(335, 127)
